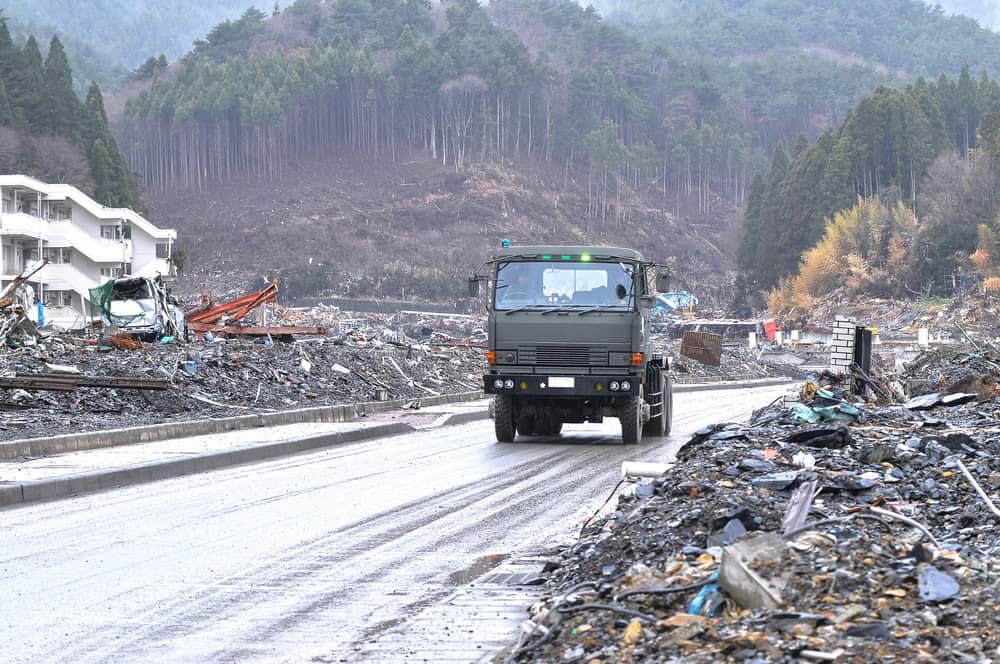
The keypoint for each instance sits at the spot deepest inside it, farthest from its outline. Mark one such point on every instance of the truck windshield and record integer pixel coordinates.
(544, 285)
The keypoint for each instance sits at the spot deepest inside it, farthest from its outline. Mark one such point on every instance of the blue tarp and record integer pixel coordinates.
(674, 301)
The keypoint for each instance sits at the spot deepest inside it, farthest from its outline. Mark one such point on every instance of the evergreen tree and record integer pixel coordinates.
(10, 57)
(102, 170)
(764, 269)
(28, 84)
(6, 111)
(94, 122)
(751, 225)
(62, 108)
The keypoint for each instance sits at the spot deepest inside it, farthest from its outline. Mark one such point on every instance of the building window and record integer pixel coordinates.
(111, 232)
(56, 298)
(60, 212)
(30, 255)
(58, 255)
(113, 272)
(162, 250)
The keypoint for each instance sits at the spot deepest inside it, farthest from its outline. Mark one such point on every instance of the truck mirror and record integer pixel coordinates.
(473, 286)
(663, 281)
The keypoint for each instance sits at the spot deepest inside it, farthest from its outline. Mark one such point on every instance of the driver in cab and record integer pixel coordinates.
(523, 289)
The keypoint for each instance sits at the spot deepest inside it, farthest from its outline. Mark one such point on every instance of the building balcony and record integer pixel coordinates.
(23, 225)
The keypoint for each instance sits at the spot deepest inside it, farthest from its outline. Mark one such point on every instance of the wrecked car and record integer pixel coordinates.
(142, 307)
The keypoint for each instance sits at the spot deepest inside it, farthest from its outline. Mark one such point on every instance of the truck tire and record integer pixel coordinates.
(656, 427)
(504, 421)
(670, 405)
(549, 427)
(659, 425)
(630, 416)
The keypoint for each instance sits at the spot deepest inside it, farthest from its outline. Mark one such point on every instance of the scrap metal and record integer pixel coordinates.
(224, 318)
(703, 347)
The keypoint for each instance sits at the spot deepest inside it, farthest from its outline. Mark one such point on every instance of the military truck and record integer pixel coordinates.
(569, 341)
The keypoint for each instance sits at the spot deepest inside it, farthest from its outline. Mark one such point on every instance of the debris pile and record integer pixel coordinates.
(737, 362)
(224, 377)
(781, 541)
(952, 369)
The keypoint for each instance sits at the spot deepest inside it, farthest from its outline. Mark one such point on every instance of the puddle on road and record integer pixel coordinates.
(477, 569)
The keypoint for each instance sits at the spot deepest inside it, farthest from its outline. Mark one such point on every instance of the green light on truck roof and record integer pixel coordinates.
(567, 258)
(585, 258)
(547, 257)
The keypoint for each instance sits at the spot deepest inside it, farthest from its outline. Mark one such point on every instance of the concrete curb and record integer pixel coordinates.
(61, 487)
(90, 440)
(739, 385)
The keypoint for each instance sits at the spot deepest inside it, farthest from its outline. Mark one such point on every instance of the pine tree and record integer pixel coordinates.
(6, 111)
(772, 222)
(62, 108)
(26, 88)
(94, 122)
(10, 57)
(102, 170)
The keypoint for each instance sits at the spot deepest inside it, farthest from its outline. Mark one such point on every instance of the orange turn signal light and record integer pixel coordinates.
(491, 357)
(636, 359)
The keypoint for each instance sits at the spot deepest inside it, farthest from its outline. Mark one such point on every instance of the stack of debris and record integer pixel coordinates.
(224, 377)
(735, 362)
(16, 329)
(955, 369)
(787, 541)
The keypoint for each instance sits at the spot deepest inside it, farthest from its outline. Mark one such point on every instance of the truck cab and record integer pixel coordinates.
(569, 341)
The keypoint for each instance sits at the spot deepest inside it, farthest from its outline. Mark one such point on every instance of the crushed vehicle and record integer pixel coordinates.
(569, 341)
(140, 306)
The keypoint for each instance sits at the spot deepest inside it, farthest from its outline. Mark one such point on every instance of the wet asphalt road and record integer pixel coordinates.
(309, 557)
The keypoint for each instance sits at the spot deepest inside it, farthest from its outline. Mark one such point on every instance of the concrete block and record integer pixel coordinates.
(10, 494)
(743, 584)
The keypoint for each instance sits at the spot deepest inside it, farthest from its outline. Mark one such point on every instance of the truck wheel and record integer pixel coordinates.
(630, 416)
(526, 426)
(503, 418)
(549, 427)
(659, 425)
(670, 406)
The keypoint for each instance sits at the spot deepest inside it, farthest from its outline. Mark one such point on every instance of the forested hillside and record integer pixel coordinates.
(121, 34)
(397, 78)
(933, 148)
(986, 12)
(905, 35)
(46, 131)
(667, 115)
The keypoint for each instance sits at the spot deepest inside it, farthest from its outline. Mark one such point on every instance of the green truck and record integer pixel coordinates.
(569, 341)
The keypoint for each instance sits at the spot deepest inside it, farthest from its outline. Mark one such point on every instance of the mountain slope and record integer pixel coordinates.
(903, 35)
(123, 32)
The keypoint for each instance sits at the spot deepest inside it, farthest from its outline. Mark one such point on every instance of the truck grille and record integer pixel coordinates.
(563, 356)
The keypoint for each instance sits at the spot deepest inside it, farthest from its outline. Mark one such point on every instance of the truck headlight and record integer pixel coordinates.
(626, 386)
(613, 386)
(498, 383)
(509, 384)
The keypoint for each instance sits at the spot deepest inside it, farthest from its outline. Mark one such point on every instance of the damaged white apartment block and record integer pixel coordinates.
(842, 344)
(86, 244)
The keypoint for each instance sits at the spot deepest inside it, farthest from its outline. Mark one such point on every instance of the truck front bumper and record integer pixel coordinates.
(555, 386)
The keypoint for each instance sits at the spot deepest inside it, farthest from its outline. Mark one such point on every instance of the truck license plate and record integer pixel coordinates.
(562, 381)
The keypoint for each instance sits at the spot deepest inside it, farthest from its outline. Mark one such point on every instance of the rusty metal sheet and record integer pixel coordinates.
(255, 330)
(703, 347)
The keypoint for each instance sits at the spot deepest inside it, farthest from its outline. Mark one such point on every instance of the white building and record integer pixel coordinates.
(85, 242)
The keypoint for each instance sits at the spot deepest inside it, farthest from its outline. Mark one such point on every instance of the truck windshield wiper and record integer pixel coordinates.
(524, 308)
(615, 309)
(560, 309)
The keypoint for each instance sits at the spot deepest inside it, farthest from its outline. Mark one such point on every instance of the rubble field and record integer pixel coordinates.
(869, 535)
(224, 378)
(738, 363)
